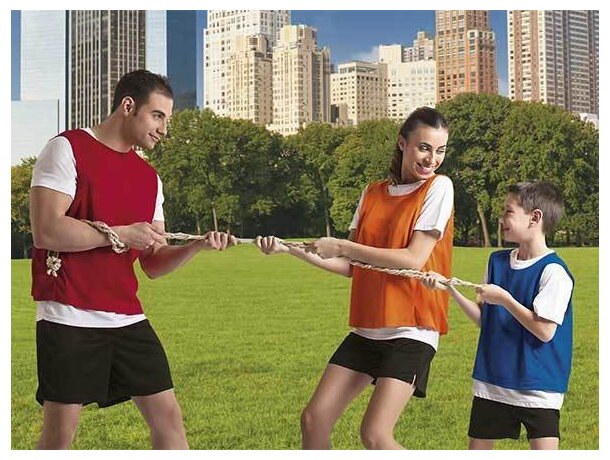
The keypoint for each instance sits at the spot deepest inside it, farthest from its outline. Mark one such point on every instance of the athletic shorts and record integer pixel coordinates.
(403, 359)
(495, 420)
(99, 365)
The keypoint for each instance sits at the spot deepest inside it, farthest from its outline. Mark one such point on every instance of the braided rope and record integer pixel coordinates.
(404, 272)
(54, 262)
(117, 245)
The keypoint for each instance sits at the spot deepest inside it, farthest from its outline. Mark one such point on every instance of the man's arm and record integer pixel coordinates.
(53, 230)
(161, 258)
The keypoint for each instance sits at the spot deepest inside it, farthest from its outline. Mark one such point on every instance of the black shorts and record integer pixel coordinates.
(496, 420)
(102, 365)
(403, 359)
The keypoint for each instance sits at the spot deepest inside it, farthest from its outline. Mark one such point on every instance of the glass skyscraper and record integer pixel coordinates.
(174, 48)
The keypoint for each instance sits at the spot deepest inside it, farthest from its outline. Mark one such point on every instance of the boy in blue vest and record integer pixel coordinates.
(524, 311)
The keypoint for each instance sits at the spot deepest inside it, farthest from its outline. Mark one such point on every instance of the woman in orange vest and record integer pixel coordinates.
(405, 222)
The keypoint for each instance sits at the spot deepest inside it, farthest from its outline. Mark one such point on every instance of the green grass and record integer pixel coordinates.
(248, 336)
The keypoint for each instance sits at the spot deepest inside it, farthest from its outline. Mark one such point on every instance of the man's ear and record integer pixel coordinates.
(128, 104)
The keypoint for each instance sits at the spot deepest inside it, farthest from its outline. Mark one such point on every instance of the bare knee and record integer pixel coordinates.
(57, 436)
(167, 419)
(313, 420)
(374, 438)
(308, 420)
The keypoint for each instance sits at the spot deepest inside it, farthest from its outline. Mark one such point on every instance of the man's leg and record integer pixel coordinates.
(544, 444)
(58, 425)
(481, 444)
(164, 417)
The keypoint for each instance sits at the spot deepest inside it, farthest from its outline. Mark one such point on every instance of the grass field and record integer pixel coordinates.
(248, 336)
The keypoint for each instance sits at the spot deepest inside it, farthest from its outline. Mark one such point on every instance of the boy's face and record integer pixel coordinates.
(515, 221)
(147, 124)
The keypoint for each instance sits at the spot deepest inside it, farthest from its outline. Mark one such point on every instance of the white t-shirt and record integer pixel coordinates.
(435, 213)
(550, 303)
(55, 168)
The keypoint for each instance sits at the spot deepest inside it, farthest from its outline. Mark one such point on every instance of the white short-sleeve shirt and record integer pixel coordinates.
(435, 213)
(55, 168)
(551, 303)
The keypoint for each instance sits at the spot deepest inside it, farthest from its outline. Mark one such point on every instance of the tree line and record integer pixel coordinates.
(226, 174)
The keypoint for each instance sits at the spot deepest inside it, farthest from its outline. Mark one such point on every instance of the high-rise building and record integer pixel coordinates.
(39, 110)
(465, 53)
(411, 81)
(250, 71)
(301, 80)
(174, 47)
(422, 49)
(103, 46)
(43, 60)
(554, 58)
(223, 27)
(362, 86)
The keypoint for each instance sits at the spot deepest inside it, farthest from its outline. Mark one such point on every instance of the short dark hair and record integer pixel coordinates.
(541, 195)
(138, 85)
(421, 116)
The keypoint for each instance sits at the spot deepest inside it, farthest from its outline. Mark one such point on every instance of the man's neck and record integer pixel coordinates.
(109, 133)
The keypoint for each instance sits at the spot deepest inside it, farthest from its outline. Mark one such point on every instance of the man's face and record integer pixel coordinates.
(147, 124)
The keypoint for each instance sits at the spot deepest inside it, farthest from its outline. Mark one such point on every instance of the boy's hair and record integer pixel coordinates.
(421, 116)
(540, 195)
(138, 85)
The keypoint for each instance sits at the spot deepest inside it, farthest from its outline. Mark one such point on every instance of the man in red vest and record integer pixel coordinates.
(94, 343)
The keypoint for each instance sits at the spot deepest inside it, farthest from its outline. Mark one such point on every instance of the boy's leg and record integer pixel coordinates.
(164, 417)
(387, 403)
(542, 427)
(480, 444)
(58, 425)
(338, 387)
(490, 421)
(544, 444)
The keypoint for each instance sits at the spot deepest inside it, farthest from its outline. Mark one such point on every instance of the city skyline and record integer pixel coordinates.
(359, 42)
(350, 35)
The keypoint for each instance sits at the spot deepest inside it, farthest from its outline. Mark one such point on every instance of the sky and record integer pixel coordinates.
(357, 34)
(350, 34)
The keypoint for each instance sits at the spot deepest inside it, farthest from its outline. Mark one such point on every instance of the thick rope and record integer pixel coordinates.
(405, 272)
(54, 262)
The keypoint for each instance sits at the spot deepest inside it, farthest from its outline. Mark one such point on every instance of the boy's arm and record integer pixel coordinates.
(470, 307)
(542, 328)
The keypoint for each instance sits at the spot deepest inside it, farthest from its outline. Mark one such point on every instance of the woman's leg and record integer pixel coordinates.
(387, 403)
(337, 388)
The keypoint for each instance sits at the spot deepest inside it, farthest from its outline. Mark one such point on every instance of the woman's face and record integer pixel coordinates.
(423, 153)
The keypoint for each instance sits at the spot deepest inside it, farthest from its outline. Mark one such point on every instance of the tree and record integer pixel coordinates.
(217, 172)
(475, 129)
(544, 142)
(315, 145)
(21, 231)
(363, 157)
